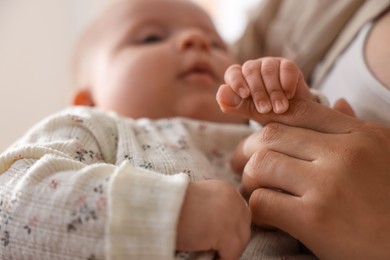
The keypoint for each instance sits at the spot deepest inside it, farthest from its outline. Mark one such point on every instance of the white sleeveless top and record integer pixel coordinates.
(352, 80)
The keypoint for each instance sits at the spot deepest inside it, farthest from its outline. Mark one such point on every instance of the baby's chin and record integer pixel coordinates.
(207, 109)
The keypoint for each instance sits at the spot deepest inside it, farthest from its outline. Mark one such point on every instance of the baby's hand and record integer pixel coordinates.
(214, 216)
(270, 82)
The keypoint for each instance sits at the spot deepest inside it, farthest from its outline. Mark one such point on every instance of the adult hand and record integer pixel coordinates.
(334, 171)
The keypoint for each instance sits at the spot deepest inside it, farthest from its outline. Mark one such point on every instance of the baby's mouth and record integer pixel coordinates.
(199, 73)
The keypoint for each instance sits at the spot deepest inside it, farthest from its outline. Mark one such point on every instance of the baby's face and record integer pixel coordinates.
(160, 58)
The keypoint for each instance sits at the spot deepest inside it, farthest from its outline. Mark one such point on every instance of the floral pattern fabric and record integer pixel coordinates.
(62, 185)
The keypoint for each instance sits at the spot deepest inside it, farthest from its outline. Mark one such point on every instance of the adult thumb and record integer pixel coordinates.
(341, 105)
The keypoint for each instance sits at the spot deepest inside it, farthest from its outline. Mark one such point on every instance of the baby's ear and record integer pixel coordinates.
(83, 97)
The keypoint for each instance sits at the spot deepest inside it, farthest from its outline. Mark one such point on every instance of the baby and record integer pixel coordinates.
(139, 167)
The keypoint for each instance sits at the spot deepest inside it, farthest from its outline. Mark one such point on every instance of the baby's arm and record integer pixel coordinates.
(60, 188)
(268, 83)
(214, 216)
(62, 195)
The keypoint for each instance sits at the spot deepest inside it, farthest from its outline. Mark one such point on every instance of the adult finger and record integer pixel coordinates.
(312, 115)
(270, 169)
(342, 106)
(240, 156)
(296, 142)
(275, 208)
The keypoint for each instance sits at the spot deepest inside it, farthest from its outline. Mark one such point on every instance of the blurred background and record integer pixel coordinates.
(36, 39)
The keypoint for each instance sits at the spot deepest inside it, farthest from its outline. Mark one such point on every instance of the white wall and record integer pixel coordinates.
(36, 38)
(35, 42)
(230, 16)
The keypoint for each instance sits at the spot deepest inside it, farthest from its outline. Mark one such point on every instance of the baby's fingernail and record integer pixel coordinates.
(280, 106)
(231, 98)
(264, 107)
(289, 95)
(244, 92)
(235, 100)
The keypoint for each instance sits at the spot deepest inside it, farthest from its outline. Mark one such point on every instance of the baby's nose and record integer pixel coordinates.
(194, 38)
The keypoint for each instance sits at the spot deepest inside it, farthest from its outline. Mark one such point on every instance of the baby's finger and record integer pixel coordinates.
(290, 75)
(270, 72)
(235, 79)
(252, 74)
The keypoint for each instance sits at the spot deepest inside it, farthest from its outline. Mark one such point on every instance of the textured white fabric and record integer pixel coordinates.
(55, 185)
(137, 234)
(87, 184)
(351, 79)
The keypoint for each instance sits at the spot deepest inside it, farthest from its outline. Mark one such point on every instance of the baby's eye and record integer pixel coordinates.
(152, 38)
(218, 44)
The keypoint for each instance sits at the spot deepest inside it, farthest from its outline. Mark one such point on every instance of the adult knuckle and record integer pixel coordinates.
(267, 159)
(260, 165)
(269, 133)
(255, 162)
